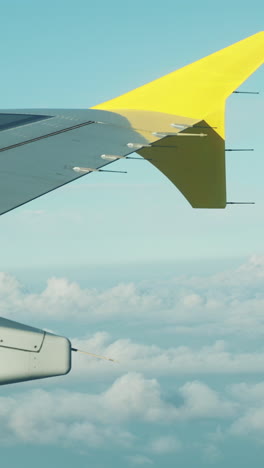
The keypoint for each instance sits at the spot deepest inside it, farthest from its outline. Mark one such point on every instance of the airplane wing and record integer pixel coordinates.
(177, 122)
(43, 150)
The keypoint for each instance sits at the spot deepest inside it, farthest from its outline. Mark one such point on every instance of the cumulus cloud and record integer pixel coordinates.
(255, 266)
(43, 417)
(252, 422)
(65, 299)
(203, 402)
(154, 360)
(65, 417)
(62, 417)
(248, 393)
(76, 419)
(229, 304)
(225, 303)
(251, 419)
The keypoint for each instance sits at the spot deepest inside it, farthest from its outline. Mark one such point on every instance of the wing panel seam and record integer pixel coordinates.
(58, 132)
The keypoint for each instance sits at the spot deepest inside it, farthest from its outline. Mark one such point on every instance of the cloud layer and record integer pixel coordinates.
(216, 358)
(223, 304)
(109, 418)
(45, 417)
(217, 318)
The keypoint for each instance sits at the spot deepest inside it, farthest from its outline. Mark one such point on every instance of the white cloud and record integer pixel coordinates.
(165, 444)
(229, 304)
(61, 417)
(203, 402)
(250, 423)
(224, 303)
(154, 360)
(65, 299)
(133, 397)
(248, 393)
(251, 399)
(42, 417)
(64, 417)
(72, 418)
(255, 266)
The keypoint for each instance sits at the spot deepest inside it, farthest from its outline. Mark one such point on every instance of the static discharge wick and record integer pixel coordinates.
(94, 355)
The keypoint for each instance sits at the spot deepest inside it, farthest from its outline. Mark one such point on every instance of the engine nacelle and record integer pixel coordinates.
(28, 353)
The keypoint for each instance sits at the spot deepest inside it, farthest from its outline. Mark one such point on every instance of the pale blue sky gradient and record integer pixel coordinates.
(60, 54)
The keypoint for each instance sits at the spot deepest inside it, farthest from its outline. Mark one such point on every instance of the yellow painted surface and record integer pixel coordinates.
(193, 95)
(196, 165)
(199, 89)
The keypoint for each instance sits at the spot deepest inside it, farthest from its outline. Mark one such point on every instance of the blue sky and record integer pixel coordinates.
(77, 56)
(123, 265)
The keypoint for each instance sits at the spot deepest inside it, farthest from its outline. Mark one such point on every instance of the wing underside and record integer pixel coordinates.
(40, 149)
(38, 152)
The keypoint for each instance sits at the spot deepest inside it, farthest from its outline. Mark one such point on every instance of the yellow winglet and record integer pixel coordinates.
(200, 88)
(197, 91)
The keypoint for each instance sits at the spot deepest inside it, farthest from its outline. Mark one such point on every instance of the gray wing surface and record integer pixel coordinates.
(40, 148)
